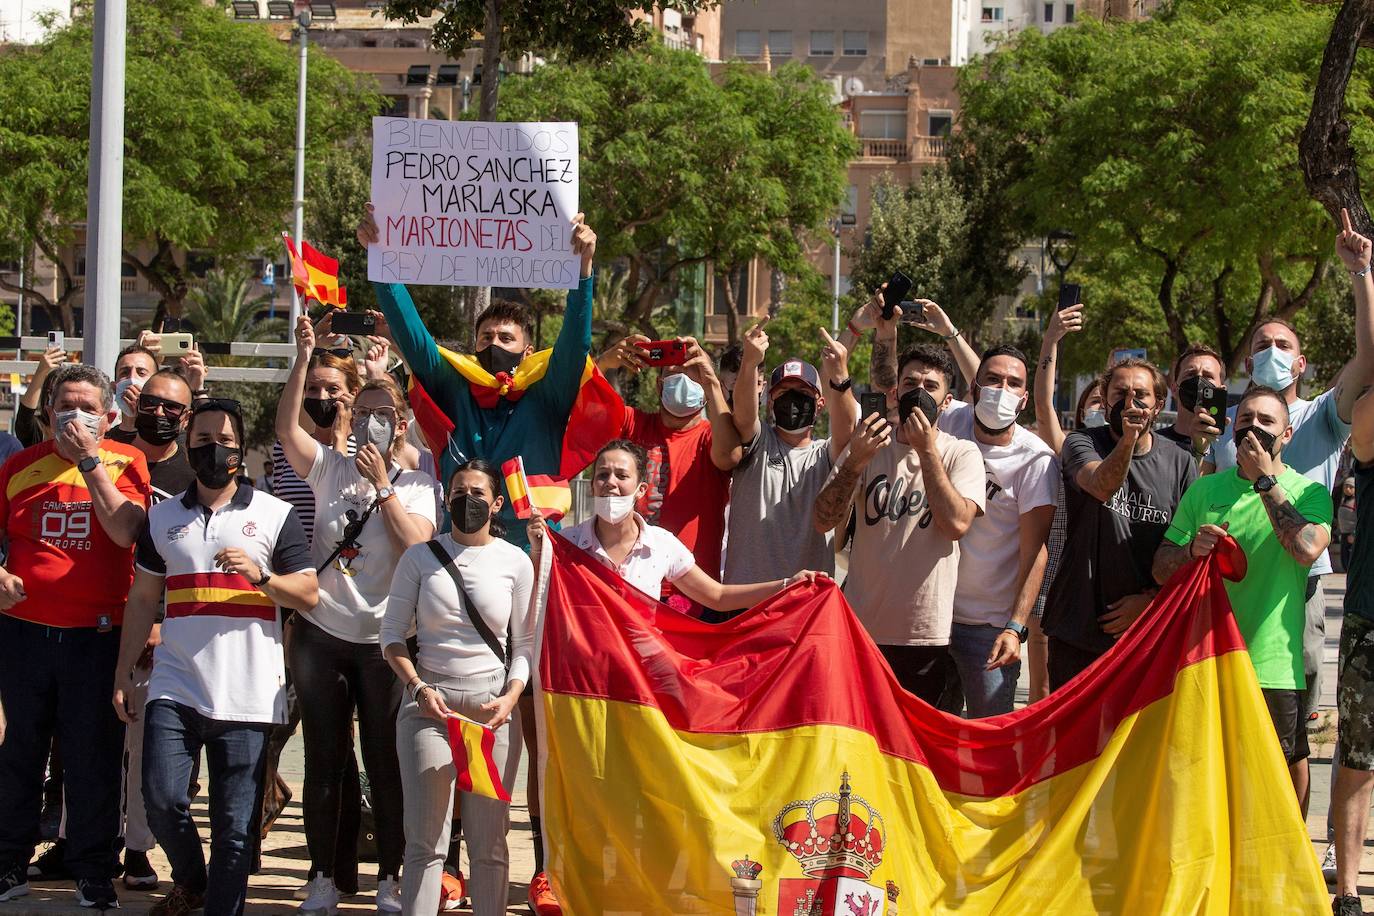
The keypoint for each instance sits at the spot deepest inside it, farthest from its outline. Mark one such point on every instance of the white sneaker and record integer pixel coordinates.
(322, 898)
(389, 896)
(1329, 864)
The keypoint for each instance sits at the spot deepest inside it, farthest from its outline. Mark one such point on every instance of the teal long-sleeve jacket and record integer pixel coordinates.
(531, 427)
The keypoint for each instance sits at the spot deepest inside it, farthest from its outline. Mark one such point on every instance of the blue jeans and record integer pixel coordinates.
(986, 693)
(173, 736)
(55, 681)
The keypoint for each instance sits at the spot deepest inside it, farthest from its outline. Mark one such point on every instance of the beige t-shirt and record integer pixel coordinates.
(902, 569)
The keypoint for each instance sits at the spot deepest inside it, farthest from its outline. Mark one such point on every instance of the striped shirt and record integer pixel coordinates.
(221, 650)
(290, 487)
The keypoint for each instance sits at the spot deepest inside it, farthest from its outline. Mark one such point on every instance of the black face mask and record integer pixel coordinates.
(1265, 438)
(322, 411)
(1117, 415)
(794, 410)
(156, 429)
(917, 399)
(214, 464)
(1188, 392)
(469, 512)
(496, 360)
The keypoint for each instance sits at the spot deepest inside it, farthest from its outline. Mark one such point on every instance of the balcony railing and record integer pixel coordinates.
(920, 149)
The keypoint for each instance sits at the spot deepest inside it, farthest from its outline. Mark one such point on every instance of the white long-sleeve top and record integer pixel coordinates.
(423, 600)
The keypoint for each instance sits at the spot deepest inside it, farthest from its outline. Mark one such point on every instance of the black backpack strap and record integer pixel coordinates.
(353, 530)
(474, 614)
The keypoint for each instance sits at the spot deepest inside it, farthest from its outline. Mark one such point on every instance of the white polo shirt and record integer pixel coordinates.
(221, 651)
(656, 555)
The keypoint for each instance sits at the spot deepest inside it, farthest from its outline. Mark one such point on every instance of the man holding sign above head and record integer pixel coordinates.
(505, 400)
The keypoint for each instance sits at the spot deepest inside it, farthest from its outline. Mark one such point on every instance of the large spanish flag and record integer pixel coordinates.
(771, 764)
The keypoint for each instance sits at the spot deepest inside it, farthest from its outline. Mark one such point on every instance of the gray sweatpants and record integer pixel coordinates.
(1313, 648)
(428, 779)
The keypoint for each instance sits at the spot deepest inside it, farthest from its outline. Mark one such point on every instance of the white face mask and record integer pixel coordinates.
(1272, 368)
(1094, 417)
(89, 420)
(120, 387)
(613, 509)
(997, 408)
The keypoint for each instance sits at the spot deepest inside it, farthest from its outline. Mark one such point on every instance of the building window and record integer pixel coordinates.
(933, 62)
(779, 43)
(855, 44)
(992, 14)
(1068, 12)
(1049, 12)
(940, 123)
(882, 125)
(741, 288)
(81, 267)
(127, 270)
(747, 43)
(849, 210)
(822, 44)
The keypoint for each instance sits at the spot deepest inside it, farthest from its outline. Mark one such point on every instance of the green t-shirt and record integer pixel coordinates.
(1269, 601)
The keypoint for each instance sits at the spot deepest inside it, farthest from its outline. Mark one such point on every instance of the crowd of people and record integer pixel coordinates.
(156, 606)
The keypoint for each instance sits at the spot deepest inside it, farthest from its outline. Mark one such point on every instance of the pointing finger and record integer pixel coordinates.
(829, 341)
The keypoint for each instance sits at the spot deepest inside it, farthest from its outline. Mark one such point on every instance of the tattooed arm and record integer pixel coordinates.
(1305, 541)
(832, 505)
(882, 370)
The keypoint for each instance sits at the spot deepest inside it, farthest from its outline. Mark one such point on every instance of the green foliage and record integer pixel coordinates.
(221, 309)
(209, 126)
(1169, 147)
(795, 330)
(678, 169)
(574, 29)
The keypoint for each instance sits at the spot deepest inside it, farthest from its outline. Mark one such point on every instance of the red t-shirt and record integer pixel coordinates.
(73, 573)
(687, 492)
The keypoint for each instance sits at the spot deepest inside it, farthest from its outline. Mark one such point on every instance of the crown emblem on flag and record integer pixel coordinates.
(833, 835)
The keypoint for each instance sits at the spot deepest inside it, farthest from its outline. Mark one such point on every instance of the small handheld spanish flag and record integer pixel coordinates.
(315, 275)
(472, 745)
(551, 496)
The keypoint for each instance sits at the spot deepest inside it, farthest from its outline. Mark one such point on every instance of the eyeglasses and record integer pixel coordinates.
(149, 403)
(340, 352)
(385, 413)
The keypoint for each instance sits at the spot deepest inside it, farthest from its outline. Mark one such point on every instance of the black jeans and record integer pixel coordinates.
(333, 677)
(929, 672)
(57, 681)
(1066, 661)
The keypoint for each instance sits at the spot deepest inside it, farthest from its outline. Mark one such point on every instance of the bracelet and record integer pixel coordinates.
(1361, 273)
(851, 328)
(784, 584)
(415, 694)
(956, 333)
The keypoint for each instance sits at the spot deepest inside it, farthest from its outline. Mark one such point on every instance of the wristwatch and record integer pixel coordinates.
(1021, 630)
(263, 581)
(1265, 483)
(841, 386)
(88, 464)
(384, 494)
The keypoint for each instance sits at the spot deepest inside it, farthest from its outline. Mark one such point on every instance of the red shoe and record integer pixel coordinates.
(454, 893)
(541, 899)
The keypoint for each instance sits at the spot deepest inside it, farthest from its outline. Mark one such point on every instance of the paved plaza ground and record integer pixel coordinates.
(285, 860)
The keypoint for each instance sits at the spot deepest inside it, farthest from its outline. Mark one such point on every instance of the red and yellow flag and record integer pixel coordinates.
(551, 496)
(315, 275)
(596, 418)
(472, 745)
(772, 764)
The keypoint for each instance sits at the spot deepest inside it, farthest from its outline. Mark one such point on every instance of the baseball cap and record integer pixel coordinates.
(798, 369)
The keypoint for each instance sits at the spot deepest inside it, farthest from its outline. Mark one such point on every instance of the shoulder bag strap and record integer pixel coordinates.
(474, 614)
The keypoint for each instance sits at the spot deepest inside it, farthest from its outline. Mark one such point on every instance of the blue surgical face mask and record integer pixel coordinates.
(682, 397)
(1272, 368)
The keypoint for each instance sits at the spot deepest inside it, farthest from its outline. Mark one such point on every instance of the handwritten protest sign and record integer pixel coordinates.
(474, 203)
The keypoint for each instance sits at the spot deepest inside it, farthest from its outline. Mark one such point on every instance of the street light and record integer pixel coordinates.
(1062, 246)
(304, 12)
(845, 220)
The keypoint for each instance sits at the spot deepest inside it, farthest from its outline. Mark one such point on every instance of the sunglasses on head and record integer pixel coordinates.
(340, 352)
(225, 405)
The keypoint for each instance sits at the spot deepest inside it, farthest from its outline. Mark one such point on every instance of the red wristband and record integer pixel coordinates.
(853, 330)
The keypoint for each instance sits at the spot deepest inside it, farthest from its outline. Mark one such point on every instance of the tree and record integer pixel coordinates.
(1169, 148)
(572, 29)
(678, 169)
(209, 124)
(221, 309)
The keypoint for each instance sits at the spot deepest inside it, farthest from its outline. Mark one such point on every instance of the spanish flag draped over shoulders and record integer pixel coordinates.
(772, 764)
(596, 417)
